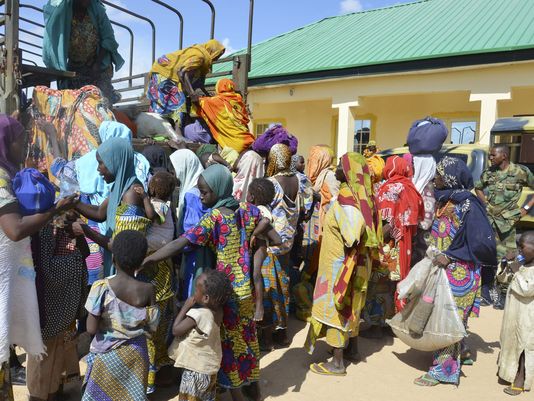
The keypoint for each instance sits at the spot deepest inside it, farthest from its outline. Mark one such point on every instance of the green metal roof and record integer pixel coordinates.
(423, 30)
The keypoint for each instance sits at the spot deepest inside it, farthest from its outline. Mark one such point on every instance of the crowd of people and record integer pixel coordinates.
(193, 260)
(204, 278)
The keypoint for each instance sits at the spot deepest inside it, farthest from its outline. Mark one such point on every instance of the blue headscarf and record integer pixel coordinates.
(58, 16)
(91, 183)
(118, 157)
(474, 240)
(220, 180)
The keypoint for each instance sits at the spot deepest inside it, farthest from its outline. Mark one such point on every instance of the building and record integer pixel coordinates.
(347, 79)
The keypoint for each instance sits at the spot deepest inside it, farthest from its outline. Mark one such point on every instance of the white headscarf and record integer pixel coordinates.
(188, 168)
(250, 166)
(424, 169)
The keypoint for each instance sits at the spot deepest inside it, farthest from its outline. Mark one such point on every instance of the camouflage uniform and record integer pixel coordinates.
(503, 190)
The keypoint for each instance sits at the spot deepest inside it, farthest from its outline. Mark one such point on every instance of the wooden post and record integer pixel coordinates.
(9, 59)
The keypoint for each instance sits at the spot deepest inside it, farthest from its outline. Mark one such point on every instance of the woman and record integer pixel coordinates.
(462, 232)
(176, 76)
(78, 37)
(321, 173)
(351, 237)
(19, 313)
(227, 230)
(292, 194)
(249, 167)
(401, 207)
(227, 116)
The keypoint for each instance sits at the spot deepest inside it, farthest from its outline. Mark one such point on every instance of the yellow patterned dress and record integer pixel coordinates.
(343, 228)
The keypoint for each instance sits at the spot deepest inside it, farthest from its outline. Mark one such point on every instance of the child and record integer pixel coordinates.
(516, 360)
(197, 348)
(122, 313)
(160, 189)
(261, 194)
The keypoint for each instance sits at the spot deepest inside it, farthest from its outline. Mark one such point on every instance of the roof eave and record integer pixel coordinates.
(399, 67)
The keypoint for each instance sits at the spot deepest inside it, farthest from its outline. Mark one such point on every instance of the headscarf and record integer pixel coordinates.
(58, 18)
(197, 57)
(318, 165)
(227, 116)
(220, 180)
(250, 166)
(279, 160)
(157, 158)
(206, 148)
(474, 240)
(118, 156)
(10, 129)
(91, 183)
(356, 192)
(402, 207)
(188, 168)
(294, 162)
(276, 133)
(197, 133)
(424, 169)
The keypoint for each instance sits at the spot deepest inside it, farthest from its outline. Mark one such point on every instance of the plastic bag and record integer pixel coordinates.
(151, 125)
(444, 326)
(414, 283)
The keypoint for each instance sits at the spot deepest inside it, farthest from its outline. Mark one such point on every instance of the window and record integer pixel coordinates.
(260, 128)
(463, 132)
(362, 134)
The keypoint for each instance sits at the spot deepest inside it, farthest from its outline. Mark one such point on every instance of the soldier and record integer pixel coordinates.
(500, 187)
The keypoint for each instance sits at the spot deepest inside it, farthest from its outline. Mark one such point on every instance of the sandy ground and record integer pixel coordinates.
(386, 373)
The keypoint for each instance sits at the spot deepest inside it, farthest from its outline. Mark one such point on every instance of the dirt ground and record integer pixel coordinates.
(386, 373)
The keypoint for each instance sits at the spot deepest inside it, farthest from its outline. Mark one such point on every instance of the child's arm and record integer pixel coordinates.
(83, 229)
(92, 323)
(265, 229)
(145, 200)
(184, 324)
(168, 251)
(259, 257)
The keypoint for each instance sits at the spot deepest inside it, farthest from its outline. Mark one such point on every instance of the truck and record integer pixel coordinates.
(18, 72)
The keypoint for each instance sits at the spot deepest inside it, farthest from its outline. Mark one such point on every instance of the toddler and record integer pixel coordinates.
(197, 347)
(160, 189)
(122, 313)
(516, 360)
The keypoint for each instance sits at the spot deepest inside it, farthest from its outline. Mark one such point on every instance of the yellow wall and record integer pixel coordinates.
(393, 102)
(310, 122)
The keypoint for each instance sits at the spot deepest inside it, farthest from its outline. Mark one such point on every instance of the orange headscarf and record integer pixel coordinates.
(227, 116)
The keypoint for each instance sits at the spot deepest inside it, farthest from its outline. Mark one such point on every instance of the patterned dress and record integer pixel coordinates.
(464, 280)
(228, 236)
(117, 367)
(130, 217)
(275, 268)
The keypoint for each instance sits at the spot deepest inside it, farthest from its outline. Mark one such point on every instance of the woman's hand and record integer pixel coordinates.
(66, 203)
(442, 260)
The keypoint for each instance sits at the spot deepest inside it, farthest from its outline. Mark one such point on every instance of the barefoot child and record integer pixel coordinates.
(269, 277)
(516, 360)
(122, 313)
(197, 347)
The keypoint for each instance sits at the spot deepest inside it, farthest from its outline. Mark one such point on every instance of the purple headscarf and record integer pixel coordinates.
(10, 129)
(275, 135)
